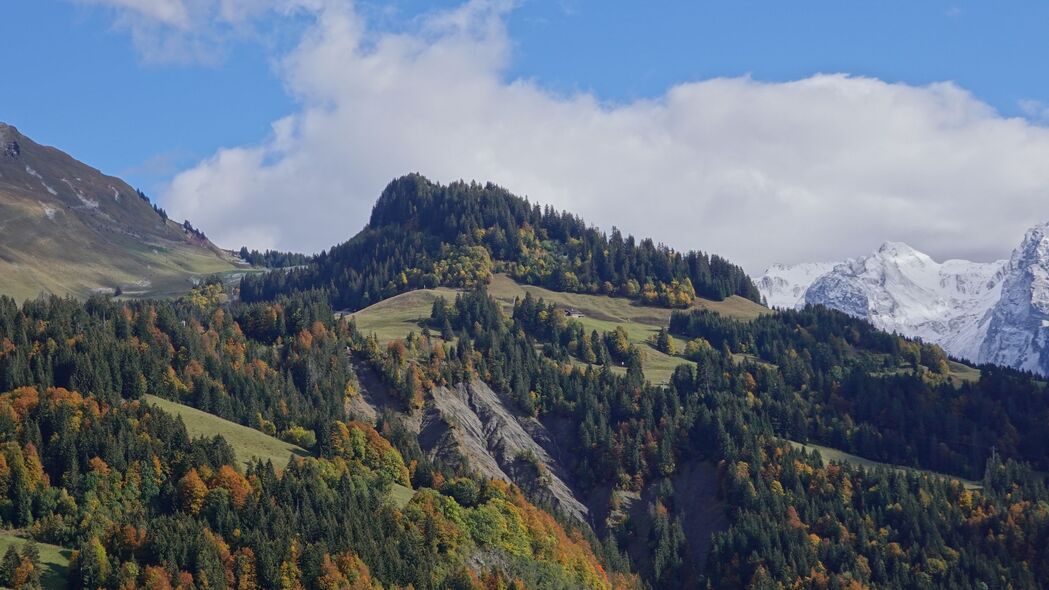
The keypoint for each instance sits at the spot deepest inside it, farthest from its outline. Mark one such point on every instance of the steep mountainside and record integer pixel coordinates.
(69, 229)
(472, 427)
(1018, 331)
(783, 286)
(900, 289)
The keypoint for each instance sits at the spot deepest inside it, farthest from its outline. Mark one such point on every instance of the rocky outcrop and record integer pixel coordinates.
(373, 396)
(1018, 335)
(471, 425)
(473, 428)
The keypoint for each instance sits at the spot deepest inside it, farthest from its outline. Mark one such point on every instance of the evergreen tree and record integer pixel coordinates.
(9, 564)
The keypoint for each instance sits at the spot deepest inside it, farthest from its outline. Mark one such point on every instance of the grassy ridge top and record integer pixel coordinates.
(394, 317)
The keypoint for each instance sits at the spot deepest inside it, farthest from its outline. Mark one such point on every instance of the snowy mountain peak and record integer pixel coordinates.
(1040, 230)
(1029, 266)
(1018, 332)
(899, 288)
(898, 250)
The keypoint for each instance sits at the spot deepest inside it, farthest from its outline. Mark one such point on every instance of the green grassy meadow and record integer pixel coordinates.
(53, 559)
(963, 373)
(395, 317)
(835, 456)
(248, 443)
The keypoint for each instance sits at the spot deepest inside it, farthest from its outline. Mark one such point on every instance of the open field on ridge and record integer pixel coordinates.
(397, 316)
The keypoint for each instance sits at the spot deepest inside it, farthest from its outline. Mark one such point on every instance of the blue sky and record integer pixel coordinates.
(83, 87)
(279, 131)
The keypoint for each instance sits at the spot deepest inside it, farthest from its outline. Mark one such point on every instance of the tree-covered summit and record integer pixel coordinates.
(424, 234)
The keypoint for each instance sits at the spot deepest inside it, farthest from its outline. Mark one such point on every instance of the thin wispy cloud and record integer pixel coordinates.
(1035, 109)
(194, 31)
(163, 164)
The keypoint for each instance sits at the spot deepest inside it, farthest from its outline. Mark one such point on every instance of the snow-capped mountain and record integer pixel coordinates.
(1018, 332)
(784, 285)
(981, 311)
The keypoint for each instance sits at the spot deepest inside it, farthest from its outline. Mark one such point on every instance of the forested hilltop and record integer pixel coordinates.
(423, 235)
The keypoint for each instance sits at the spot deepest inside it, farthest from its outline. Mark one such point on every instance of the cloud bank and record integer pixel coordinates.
(814, 169)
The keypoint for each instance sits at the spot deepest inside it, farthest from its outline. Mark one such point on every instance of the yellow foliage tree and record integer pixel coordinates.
(192, 491)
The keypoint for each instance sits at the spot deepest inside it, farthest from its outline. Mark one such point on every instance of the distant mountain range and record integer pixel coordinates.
(995, 312)
(69, 229)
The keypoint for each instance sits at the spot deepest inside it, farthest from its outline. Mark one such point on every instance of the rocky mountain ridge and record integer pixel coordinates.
(1018, 328)
(980, 311)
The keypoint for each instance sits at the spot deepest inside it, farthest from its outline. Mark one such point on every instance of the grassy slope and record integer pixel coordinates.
(249, 443)
(401, 495)
(395, 317)
(54, 559)
(619, 309)
(69, 229)
(168, 273)
(958, 375)
(836, 456)
(963, 373)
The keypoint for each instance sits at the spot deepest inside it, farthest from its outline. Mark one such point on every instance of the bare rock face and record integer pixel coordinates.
(375, 397)
(8, 141)
(471, 425)
(1018, 335)
(473, 428)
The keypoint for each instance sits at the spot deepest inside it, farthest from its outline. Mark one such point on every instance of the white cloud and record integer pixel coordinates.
(194, 31)
(814, 169)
